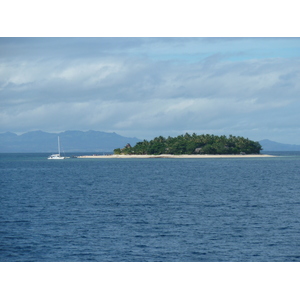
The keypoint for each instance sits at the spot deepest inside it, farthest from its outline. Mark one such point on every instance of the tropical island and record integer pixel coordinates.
(193, 145)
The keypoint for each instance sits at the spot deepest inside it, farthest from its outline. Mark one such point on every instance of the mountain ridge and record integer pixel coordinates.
(269, 145)
(88, 141)
(71, 141)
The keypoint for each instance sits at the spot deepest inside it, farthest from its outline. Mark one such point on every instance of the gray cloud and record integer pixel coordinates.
(119, 85)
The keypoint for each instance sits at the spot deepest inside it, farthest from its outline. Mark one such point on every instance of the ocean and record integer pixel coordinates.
(150, 210)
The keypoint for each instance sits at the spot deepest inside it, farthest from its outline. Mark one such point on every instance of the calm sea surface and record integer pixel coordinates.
(228, 209)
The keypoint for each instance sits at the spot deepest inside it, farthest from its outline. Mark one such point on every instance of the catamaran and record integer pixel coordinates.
(56, 156)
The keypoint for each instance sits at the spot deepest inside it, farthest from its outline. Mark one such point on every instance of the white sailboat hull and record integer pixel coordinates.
(55, 156)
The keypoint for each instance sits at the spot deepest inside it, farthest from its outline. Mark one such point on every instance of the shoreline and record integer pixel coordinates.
(178, 156)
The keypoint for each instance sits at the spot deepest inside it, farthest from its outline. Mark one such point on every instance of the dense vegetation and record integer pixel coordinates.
(193, 144)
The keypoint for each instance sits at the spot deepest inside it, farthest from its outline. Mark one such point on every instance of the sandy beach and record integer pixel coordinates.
(176, 156)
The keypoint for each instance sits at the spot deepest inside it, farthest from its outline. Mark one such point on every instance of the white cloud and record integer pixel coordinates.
(133, 93)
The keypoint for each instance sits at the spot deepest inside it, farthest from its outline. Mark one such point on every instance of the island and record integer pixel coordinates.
(189, 146)
(193, 144)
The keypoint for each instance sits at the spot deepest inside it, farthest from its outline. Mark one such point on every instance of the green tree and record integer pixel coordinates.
(186, 144)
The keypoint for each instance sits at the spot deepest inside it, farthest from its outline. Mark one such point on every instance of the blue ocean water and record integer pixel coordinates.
(187, 210)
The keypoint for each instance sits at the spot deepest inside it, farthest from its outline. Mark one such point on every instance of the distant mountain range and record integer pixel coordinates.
(268, 145)
(89, 141)
(70, 141)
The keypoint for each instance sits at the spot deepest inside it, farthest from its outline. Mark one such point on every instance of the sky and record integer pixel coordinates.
(146, 87)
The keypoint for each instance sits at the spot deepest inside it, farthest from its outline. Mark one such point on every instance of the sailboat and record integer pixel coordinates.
(56, 156)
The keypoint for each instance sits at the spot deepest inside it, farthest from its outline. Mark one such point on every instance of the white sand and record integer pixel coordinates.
(177, 156)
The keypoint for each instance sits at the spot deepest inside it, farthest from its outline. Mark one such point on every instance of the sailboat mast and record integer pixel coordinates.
(58, 146)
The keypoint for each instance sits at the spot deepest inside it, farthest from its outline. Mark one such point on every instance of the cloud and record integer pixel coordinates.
(132, 86)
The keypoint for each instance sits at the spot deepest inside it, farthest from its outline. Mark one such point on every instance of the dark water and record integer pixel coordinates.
(150, 209)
